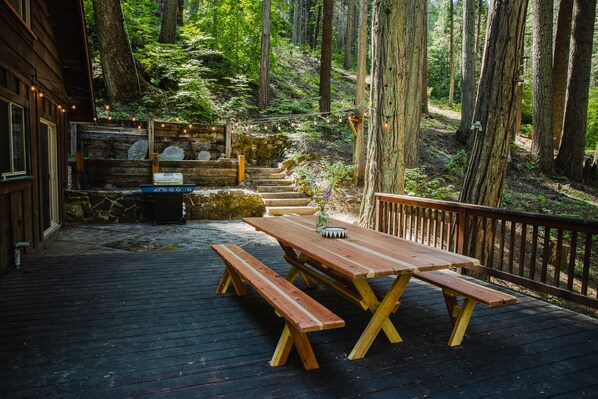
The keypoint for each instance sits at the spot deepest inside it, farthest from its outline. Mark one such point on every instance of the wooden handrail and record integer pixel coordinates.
(546, 253)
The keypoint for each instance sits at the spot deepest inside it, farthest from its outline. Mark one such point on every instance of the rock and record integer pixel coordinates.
(204, 156)
(138, 149)
(172, 153)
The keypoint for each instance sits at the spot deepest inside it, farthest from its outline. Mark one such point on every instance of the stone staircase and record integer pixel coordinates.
(278, 193)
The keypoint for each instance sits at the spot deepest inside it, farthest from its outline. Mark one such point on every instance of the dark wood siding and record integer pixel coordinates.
(30, 56)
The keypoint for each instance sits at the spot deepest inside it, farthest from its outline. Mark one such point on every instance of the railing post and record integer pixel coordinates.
(377, 210)
(462, 231)
(241, 174)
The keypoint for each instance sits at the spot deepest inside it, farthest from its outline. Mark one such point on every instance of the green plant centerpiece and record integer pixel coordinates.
(322, 194)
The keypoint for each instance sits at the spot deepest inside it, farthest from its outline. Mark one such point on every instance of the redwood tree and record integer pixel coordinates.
(118, 66)
(467, 72)
(385, 166)
(169, 22)
(542, 141)
(571, 152)
(496, 104)
(264, 83)
(362, 47)
(560, 67)
(326, 56)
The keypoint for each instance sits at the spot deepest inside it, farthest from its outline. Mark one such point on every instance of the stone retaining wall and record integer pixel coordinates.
(130, 206)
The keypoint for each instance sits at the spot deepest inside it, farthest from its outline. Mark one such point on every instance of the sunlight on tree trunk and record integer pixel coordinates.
(385, 167)
(542, 141)
(264, 83)
(362, 48)
(571, 152)
(451, 55)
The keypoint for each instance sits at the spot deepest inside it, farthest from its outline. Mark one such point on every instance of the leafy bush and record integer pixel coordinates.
(418, 184)
(592, 127)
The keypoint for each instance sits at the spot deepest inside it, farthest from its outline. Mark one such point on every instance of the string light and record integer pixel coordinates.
(73, 106)
(190, 126)
(162, 125)
(109, 117)
(133, 119)
(33, 88)
(107, 107)
(41, 94)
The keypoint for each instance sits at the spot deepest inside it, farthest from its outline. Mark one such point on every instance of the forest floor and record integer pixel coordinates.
(442, 169)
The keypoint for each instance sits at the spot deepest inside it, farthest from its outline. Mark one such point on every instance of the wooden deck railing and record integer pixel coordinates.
(553, 255)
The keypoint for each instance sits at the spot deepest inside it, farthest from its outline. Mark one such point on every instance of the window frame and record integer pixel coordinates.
(24, 11)
(25, 140)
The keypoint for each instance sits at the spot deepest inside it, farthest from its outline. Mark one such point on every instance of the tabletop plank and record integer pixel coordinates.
(364, 253)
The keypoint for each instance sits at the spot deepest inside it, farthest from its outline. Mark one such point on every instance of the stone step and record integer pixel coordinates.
(265, 176)
(297, 210)
(272, 189)
(283, 194)
(256, 169)
(272, 182)
(287, 201)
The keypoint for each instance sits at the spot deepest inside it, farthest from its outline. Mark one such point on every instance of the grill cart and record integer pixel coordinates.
(167, 192)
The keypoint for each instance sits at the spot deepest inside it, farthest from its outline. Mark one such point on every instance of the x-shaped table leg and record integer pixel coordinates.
(380, 318)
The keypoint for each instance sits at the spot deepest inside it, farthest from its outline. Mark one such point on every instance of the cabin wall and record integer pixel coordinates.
(29, 57)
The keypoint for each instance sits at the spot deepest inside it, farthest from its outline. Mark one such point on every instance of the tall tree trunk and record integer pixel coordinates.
(264, 84)
(542, 141)
(488, 160)
(117, 61)
(425, 109)
(571, 152)
(215, 19)
(467, 72)
(169, 22)
(297, 11)
(362, 48)
(478, 38)
(385, 169)
(317, 29)
(326, 56)
(180, 15)
(414, 35)
(349, 36)
(560, 68)
(451, 55)
(495, 108)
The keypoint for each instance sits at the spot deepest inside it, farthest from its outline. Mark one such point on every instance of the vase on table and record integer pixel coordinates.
(321, 219)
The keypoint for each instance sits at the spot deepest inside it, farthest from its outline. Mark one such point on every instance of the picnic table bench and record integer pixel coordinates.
(302, 313)
(454, 286)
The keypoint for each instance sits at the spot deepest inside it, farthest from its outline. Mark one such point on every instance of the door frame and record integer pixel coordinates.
(53, 197)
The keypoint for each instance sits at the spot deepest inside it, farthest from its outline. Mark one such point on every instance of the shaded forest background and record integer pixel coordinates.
(209, 71)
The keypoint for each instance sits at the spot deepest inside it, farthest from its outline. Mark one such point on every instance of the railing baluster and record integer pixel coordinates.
(572, 256)
(449, 231)
(522, 248)
(429, 225)
(442, 229)
(558, 258)
(546, 255)
(490, 262)
(512, 245)
(532, 261)
(503, 228)
(586, 266)
(436, 228)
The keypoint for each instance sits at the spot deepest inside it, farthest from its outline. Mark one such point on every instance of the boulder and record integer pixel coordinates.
(172, 153)
(204, 156)
(138, 149)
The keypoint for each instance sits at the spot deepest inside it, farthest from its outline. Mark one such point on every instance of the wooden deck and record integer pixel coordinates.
(151, 325)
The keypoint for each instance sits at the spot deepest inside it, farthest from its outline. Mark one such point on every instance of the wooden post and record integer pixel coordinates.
(228, 139)
(150, 135)
(155, 157)
(73, 132)
(241, 175)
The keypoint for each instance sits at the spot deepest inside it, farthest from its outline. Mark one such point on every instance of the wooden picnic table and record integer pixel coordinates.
(348, 265)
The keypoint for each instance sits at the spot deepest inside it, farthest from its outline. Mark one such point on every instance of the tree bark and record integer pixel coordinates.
(385, 167)
(264, 83)
(560, 68)
(451, 56)
(180, 15)
(169, 22)
(495, 105)
(478, 38)
(571, 152)
(425, 109)
(414, 35)
(467, 73)
(297, 11)
(362, 48)
(118, 66)
(317, 28)
(326, 56)
(542, 141)
(349, 36)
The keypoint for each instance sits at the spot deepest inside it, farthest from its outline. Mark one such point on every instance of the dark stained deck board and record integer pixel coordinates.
(151, 325)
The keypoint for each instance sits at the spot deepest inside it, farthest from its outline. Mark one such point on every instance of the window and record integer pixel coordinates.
(13, 140)
(22, 8)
